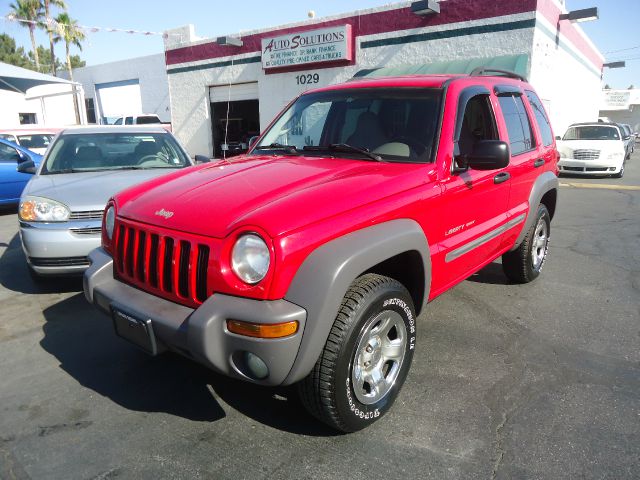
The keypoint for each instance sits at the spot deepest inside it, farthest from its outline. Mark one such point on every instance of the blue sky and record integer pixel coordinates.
(617, 28)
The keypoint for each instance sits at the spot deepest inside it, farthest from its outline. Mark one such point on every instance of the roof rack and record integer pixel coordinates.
(488, 71)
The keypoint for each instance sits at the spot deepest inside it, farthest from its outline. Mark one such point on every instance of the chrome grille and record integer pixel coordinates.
(86, 231)
(586, 154)
(87, 215)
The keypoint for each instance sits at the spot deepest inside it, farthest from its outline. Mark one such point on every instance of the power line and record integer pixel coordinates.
(622, 49)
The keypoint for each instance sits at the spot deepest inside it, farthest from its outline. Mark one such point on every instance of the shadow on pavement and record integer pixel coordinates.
(83, 341)
(492, 274)
(14, 274)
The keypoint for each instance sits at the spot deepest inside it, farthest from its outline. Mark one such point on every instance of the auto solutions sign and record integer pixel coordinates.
(307, 48)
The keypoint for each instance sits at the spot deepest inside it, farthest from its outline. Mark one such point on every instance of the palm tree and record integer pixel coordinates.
(70, 34)
(50, 29)
(31, 11)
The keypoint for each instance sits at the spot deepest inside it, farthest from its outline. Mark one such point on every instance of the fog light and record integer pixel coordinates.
(256, 366)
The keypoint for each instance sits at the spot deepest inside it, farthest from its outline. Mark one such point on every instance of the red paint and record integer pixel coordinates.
(297, 204)
(452, 11)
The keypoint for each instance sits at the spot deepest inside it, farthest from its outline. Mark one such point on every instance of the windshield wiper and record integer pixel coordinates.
(344, 147)
(278, 146)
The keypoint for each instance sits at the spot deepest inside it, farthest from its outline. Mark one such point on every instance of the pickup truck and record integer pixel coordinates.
(142, 119)
(308, 260)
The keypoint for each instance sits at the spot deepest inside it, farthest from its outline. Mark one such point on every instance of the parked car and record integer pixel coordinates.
(593, 149)
(629, 139)
(309, 259)
(12, 182)
(35, 139)
(61, 207)
(142, 119)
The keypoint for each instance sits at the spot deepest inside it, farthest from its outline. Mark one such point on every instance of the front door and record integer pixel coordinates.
(12, 182)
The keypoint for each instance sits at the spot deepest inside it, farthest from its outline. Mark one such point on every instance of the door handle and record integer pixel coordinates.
(501, 177)
(538, 163)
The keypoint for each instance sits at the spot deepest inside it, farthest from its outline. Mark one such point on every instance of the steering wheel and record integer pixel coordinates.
(414, 144)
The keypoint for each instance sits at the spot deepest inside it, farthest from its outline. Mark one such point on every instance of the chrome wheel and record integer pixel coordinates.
(540, 241)
(379, 356)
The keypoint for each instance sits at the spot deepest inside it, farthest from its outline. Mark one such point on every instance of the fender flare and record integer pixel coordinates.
(544, 183)
(326, 274)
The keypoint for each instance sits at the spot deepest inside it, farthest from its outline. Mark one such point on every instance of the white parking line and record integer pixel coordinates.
(600, 186)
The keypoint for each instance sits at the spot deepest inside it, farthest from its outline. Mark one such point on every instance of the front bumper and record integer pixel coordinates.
(201, 334)
(589, 167)
(59, 248)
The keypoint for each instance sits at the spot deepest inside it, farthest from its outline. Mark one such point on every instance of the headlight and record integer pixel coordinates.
(38, 209)
(110, 221)
(615, 156)
(250, 258)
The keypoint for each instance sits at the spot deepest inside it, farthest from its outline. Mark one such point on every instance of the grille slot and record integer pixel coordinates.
(87, 231)
(86, 215)
(586, 154)
(175, 268)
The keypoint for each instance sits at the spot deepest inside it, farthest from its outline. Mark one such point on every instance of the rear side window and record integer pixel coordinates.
(518, 126)
(541, 118)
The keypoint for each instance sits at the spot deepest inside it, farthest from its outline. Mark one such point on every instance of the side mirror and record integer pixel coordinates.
(486, 155)
(202, 159)
(558, 137)
(27, 167)
(253, 140)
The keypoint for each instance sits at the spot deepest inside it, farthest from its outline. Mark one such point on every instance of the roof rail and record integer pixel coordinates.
(488, 70)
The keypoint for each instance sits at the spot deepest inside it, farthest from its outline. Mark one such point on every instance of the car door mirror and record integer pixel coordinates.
(486, 155)
(27, 166)
(202, 159)
(558, 137)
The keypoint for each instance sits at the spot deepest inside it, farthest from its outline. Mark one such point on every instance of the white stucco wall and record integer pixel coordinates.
(564, 78)
(150, 71)
(52, 104)
(189, 90)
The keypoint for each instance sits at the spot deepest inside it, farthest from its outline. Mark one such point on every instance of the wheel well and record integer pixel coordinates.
(549, 201)
(408, 269)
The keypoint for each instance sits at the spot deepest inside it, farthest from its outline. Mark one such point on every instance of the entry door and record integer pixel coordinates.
(474, 209)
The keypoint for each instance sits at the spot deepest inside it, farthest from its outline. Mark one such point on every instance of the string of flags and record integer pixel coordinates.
(87, 29)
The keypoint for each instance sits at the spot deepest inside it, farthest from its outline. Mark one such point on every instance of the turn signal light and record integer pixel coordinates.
(262, 330)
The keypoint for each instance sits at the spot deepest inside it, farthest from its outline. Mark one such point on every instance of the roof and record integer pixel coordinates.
(148, 128)
(595, 124)
(16, 79)
(515, 63)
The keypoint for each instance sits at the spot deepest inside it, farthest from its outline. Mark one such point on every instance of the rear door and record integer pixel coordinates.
(474, 201)
(12, 182)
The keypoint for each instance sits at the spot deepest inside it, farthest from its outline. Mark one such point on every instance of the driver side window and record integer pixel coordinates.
(8, 154)
(478, 123)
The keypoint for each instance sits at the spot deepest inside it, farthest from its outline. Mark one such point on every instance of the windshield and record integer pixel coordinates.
(78, 152)
(37, 140)
(592, 132)
(147, 119)
(395, 124)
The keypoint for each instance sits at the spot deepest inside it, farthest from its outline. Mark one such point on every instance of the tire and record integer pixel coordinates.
(525, 263)
(340, 390)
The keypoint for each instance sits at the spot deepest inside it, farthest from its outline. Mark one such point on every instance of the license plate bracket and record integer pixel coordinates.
(134, 328)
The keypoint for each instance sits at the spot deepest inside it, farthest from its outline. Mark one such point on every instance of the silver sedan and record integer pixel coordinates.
(61, 207)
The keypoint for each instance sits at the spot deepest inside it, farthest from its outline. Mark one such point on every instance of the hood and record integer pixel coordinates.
(277, 194)
(87, 190)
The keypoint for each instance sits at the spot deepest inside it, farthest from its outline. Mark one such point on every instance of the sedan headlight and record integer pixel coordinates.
(250, 258)
(615, 156)
(38, 209)
(110, 221)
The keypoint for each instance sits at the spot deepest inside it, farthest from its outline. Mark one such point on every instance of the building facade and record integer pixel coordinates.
(225, 90)
(622, 106)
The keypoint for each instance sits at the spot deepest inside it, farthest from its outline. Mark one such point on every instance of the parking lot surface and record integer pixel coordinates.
(508, 381)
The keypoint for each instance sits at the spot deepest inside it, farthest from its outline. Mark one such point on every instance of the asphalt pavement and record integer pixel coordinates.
(537, 381)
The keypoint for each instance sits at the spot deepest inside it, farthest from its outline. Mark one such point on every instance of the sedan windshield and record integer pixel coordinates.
(36, 140)
(389, 124)
(592, 132)
(80, 152)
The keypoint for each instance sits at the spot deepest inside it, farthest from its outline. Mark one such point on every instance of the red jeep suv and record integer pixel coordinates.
(308, 259)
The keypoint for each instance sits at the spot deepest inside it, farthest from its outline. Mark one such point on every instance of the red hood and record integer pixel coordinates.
(278, 194)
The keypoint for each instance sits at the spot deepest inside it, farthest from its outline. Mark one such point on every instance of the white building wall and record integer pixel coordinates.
(52, 104)
(566, 81)
(150, 71)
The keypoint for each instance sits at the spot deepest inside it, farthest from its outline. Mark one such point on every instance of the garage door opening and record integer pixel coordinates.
(235, 118)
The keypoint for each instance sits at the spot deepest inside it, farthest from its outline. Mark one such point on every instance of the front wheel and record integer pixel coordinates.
(525, 263)
(366, 357)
